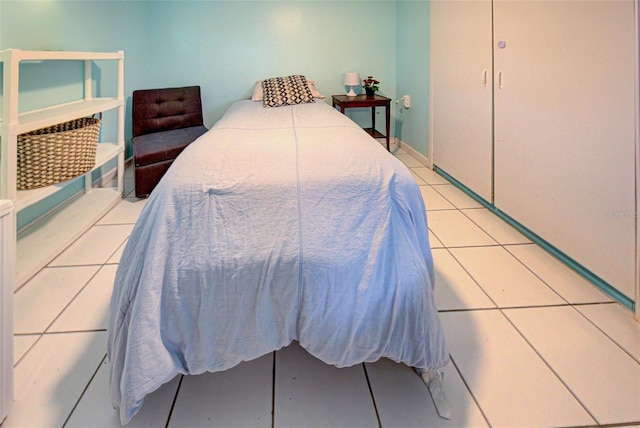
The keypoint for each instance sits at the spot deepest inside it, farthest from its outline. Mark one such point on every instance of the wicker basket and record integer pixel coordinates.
(57, 153)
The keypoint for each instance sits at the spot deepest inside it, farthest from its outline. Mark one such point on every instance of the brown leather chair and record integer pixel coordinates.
(165, 121)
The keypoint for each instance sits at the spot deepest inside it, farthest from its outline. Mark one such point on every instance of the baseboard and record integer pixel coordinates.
(424, 160)
(604, 286)
(106, 179)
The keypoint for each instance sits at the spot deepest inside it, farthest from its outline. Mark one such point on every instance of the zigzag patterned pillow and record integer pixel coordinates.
(286, 91)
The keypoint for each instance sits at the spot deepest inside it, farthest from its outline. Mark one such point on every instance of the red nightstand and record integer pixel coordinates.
(364, 101)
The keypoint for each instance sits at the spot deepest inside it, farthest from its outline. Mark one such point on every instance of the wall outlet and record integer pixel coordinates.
(406, 101)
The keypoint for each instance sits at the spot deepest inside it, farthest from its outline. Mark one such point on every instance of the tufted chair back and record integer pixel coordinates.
(158, 110)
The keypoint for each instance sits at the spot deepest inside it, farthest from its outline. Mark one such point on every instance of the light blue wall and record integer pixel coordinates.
(412, 53)
(223, 46)
(226, 46)
(77, 26)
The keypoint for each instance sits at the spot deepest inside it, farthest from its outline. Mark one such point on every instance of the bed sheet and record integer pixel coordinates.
(279, 224)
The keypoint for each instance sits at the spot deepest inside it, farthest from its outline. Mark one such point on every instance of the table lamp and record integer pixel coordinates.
(351, 79)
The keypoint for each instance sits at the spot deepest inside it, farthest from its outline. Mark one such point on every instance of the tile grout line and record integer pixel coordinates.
(505, 247)
(464, 268)
(84, 390)
(173, 402)
(567, 302)
(45, 331)
(24, 354)
(590, 321)
(273, 391)
(373, 398)
(573, 306)
(75, 296)
(501, 311)
(473, 397)
(548, 364)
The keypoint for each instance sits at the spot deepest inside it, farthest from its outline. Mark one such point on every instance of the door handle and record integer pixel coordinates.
(499, 79)
(484, 78)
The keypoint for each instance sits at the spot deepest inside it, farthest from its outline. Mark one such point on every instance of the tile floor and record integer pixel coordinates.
(531, 343)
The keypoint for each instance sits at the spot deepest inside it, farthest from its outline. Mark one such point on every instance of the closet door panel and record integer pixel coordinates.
(564, 128)
(461, 60)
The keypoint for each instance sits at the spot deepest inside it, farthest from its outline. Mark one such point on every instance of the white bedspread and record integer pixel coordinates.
(279, 224)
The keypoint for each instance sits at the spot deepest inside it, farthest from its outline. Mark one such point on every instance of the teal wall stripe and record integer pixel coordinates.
(577, 267)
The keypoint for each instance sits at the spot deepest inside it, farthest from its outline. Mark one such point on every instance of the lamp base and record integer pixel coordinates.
(351, 93)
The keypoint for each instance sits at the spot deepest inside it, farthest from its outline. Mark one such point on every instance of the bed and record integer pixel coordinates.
(277, 225)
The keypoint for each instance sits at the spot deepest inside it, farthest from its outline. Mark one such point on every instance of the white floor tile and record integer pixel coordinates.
(457, 197)
(434, 200)
(496, 368)
(453, 229)
(129, 187)
(418, 179)
(618, 323)
(454, 288)
(395, 149)
(571, 286)
(429, 175)
(115, 257)
(510, 382)
(238, 397)
(310, 393)
(51, 377)
(42, 298)
(504, 278)
(434, 241)
(606, 379)
(129, 171)
(499, 229)
(21, 344)
(403, 400)
(96, 411)
(126, 212)
(90, 309)
(95, 246)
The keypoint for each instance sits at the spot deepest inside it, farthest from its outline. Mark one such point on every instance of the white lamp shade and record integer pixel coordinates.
(351, 79)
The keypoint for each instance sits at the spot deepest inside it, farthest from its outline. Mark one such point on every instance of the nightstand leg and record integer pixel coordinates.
(373, 122)
(388, 120)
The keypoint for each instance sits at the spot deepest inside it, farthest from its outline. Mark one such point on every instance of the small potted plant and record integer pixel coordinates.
(370, 85)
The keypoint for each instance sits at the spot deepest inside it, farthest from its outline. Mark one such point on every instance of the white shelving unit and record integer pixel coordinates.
(7, 256)
(41, 242)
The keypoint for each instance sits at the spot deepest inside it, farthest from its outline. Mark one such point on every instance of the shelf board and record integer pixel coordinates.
(105, 152)
(36, 119)
(6, 206)
(21, 55)
(374, 133)
(43, 241)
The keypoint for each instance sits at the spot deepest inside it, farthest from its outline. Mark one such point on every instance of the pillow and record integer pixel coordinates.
(259, 96)
(286, 91)
(316, 93)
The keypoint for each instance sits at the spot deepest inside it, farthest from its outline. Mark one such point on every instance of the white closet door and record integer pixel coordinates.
(564, 128)
(461, 70)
